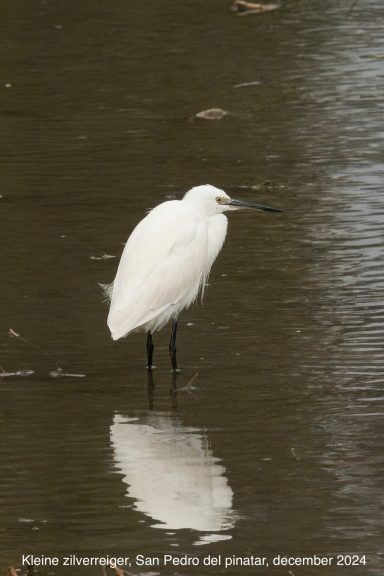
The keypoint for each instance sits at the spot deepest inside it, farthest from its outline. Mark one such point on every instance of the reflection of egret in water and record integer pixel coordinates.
(171, 473)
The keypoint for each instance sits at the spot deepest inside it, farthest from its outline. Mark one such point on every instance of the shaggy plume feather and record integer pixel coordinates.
(107, 291)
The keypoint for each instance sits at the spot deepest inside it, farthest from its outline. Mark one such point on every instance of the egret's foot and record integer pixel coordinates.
(151, 367)
(175, 370)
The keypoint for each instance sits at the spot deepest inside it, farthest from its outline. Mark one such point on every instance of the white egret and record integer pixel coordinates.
(166, 262)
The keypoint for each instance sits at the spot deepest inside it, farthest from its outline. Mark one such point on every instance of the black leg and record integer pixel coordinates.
(173, 393)
(150, 388)
(172, 345)
(150, 349)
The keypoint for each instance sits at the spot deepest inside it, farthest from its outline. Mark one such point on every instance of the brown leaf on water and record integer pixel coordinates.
(243, 8)
(11, 571)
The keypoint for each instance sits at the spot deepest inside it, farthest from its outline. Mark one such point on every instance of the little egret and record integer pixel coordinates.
(166, 262)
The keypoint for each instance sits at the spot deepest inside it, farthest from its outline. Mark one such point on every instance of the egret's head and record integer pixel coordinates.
(208, 199)
(212, 200)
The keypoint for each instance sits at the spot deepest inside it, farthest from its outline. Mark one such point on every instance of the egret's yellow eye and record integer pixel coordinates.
(220, 200)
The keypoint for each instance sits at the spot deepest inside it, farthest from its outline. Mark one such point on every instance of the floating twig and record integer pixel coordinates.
(13, 334)
(188, 387)
(57, 373)
(189, 384)
(4, 374)
(245, 84)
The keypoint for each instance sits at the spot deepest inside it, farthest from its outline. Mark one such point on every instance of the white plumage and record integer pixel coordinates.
(167, 260)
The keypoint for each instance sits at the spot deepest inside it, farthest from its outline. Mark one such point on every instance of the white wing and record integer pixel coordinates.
(162, 266)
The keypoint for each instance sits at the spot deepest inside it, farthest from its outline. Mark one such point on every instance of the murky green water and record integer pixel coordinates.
(276, 447)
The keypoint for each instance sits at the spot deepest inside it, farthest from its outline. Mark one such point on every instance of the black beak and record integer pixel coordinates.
(245, 204)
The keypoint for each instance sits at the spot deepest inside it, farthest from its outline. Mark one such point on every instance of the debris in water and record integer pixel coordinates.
(212, 114)
(58, 372)
(242, 8)
(373, 56)
(13, 334)
(102, 257)
(22, 373)
(245, 84)
(188, 387)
